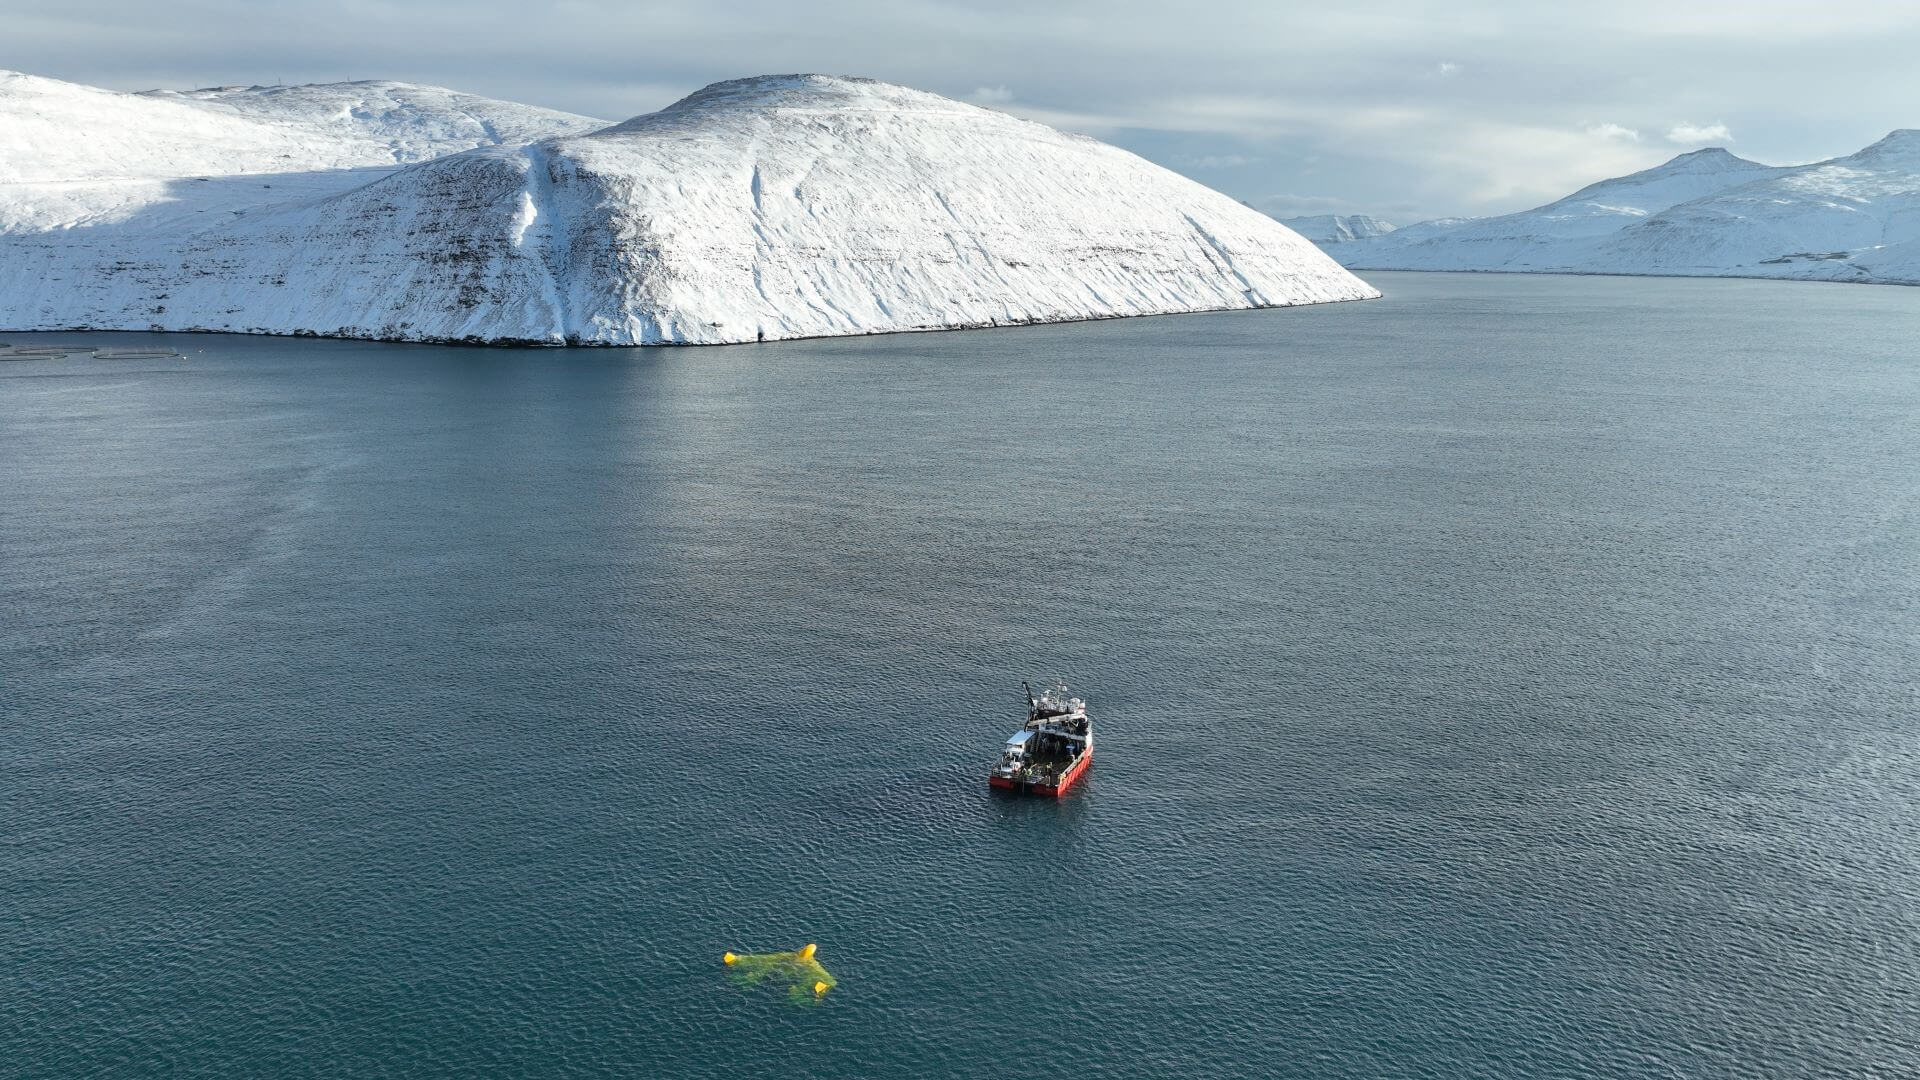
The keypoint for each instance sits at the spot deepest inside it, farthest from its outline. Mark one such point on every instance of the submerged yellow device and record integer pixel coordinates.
(806, 980)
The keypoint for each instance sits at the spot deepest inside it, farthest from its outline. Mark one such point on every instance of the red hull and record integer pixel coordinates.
(1067, 779)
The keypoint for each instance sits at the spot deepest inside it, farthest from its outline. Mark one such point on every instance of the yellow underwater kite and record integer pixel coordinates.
(806, 980)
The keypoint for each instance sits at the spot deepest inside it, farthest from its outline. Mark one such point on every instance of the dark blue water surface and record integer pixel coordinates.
(1514, 677)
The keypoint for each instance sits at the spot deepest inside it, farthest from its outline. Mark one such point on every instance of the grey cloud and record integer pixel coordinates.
(1468, 108)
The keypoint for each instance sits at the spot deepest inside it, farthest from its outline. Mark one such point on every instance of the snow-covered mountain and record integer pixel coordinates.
(1324, 229)
(767, 208)
(1707, 213)
(1855, 218)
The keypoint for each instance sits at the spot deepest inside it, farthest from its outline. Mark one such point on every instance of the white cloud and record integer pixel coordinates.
(1695, 134)
(1497, 166)
(1448, 67)
(1288, 205)
(1221, 161)
(1487, 165)
(992, 95)
(1613, 131)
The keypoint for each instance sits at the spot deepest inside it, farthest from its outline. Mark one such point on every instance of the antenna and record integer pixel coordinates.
(1031, 704)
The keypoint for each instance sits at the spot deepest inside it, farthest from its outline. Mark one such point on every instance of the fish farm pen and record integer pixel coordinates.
(56, 352)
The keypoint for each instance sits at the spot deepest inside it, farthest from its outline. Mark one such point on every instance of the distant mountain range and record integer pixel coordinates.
(1703, 214)
(1337, 228)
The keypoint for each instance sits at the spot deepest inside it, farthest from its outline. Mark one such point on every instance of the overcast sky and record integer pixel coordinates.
(1406, 109)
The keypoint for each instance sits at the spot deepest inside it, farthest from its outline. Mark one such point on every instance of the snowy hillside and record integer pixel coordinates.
(1707, 213)
(1326, 229)
(75, 157)
(777, 207)
(414, 123)
(53, 131)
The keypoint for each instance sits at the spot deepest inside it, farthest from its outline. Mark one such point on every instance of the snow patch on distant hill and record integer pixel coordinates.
(759, 209)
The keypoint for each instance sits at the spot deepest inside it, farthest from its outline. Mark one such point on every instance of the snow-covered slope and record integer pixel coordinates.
(56, 132)
(73, 156)
(52, 131)
(1706, 213)
(1324, 229)
(777, 207)
(414, 123)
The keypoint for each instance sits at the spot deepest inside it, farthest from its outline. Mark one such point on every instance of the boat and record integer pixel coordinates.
(1052, 751)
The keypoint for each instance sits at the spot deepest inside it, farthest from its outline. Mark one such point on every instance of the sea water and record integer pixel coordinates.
(1512, 677)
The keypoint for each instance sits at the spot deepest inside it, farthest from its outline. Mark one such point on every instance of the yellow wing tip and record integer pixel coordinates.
(806, 951)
